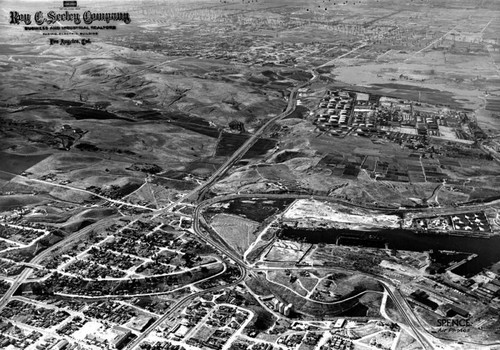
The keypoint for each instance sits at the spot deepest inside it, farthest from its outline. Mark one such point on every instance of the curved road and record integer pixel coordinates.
(216, 176)
(246, 146)
(398, 300)
(177, 306)
(211, 237)
(224, 249)
(37, 259)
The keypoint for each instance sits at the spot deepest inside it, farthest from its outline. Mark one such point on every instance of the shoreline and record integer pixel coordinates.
(357, 228)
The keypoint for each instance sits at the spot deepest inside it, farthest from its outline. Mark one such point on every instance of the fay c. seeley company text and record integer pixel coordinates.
(53, 17)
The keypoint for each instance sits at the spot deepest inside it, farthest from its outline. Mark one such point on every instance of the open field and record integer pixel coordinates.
(317, 211)
(286, 251)
(288, 280)
(239, 233)
(107, 151)
(188, 90)
(351, 304)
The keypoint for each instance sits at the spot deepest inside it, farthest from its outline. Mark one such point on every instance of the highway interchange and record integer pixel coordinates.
(216, 176)
(229, 252)
(204, 233)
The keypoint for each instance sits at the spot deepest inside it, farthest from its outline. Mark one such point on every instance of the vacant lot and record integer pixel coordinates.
(236, 231)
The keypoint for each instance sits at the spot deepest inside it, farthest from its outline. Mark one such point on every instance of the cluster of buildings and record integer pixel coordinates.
(79, 333)
(206, 325)
(468, 223)
(20, 234)
(69, 328)
(33, 315)
(280, 307)
(335, 111)
(452, 299)
(120, 337)
(440, 305)
(338, 343)
(292, 340)
(489, 290)
(12, 335)
(364, 117)
(112, 312)
(342, 113)
(275, 304)
(115, 337)
(161, 345)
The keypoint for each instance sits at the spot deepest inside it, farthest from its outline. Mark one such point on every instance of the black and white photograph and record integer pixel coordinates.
(250, 174)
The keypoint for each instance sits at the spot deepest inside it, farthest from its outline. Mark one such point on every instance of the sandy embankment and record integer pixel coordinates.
(312, 213)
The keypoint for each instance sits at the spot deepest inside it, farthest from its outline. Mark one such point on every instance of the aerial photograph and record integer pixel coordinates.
(250, 174)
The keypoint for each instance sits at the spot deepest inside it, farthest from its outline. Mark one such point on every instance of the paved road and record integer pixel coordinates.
(433, 42)
(224, 249)
(211, 237)
(178, 306)
(329, 63)
(216, 176)
(408, 315)
(292, 101)
(423, 337)
(71, 188)
(37, 259)
(227, 197)
(466, 207)
(398, 300)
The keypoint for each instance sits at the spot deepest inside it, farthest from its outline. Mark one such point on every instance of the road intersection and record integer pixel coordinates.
(209, 236)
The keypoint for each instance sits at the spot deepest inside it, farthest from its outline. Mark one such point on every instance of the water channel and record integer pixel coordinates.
(487, 250)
